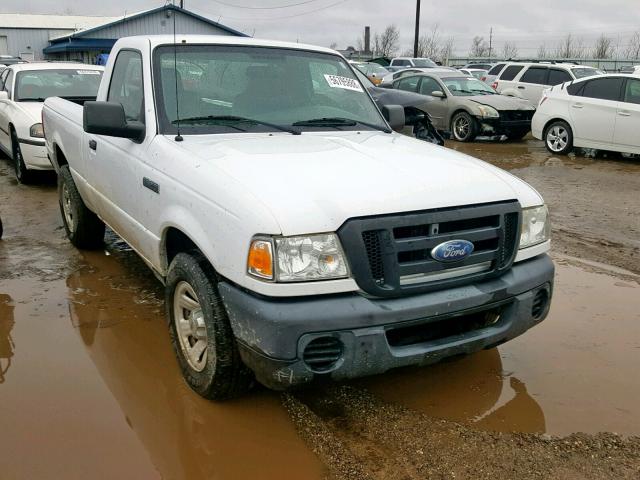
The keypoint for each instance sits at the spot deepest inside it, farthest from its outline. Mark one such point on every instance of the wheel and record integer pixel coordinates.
(558, 138)
(464, 127)
(517, 134)
(200, 330)
(22, 174)
(84, 229)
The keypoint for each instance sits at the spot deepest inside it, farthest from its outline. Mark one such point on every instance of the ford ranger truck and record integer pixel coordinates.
(297, 235)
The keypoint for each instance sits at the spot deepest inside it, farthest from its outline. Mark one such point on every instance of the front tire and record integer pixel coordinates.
(464, 127)
(558, 138)
(200, 330)
(84, 229)
(22, 174)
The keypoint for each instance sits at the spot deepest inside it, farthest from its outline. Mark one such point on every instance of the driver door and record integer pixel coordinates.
(437, 108)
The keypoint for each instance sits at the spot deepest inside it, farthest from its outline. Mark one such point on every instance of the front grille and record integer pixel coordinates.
(390, 255)
(516, 115)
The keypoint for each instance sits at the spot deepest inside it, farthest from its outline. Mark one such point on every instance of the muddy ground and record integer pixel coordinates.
(89, 386)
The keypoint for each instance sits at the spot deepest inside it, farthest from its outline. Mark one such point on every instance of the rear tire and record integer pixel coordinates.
(464, 127)
(200, 330)
(23, 175)
(558, 138)
(84, 229)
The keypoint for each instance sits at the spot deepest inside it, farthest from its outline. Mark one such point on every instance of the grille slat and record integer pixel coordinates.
(384, 250)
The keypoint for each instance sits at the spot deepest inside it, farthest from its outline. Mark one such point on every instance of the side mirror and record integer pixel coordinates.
(438, 94)
(394, 114)
(4, 95)
(108, 118)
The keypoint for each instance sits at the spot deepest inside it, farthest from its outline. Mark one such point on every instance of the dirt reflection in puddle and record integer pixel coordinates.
(577, 371)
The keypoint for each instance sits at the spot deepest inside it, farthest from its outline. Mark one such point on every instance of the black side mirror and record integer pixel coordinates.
(108, 118)
(394, 114)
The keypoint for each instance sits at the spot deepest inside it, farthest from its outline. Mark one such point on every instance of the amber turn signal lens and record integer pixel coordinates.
(260, 261)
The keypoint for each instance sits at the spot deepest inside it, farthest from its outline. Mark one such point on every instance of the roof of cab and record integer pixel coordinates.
(157, 40)
(19, 67)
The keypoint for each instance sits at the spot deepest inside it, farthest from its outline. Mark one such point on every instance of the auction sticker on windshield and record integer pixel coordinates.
(88, 72)
(336, 81)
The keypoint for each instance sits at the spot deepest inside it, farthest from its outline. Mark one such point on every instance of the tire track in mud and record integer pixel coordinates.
(360, 437)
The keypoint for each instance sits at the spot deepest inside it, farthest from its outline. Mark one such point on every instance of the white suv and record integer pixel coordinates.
(529, 80)
(597, 112)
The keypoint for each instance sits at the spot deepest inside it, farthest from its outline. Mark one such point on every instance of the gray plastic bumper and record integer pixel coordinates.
(273, 332)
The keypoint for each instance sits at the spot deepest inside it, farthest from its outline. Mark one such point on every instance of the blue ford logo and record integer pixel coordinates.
(452, 251)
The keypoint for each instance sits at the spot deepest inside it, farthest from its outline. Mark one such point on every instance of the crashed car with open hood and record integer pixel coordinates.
(467, 107)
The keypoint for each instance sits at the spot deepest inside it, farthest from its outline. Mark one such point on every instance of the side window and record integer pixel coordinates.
(429, 85)
(576, 89)
(632, 92)
(496, 70)
(402, 63)
(126, 85)
(510, 72)
(604, 89)
(536, 75)
(556, 77)
(409, 84)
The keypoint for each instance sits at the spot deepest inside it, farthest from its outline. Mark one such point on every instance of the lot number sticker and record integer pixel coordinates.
(336, 81)
(88, 72)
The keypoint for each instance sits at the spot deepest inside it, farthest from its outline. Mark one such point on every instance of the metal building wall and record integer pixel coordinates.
(18, 39)
(158, 23)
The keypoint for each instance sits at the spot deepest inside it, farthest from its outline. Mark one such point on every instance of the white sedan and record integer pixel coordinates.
(600, 112)
(23, 90)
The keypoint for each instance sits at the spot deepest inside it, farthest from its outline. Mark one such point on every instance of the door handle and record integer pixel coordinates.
(93, 144)
(624, 113)
(520, 87)
(577, 105)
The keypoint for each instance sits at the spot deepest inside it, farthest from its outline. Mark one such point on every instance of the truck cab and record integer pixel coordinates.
(298, 236)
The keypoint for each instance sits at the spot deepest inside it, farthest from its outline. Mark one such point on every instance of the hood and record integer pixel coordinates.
(32, 109)
(314, 182)
(502, 102)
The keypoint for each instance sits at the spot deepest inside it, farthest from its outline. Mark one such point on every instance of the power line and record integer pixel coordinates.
(286, 16)
(264, 8)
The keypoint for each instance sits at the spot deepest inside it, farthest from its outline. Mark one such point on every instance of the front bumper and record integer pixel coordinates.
(500, 126)
(273, 333)
(34, 154)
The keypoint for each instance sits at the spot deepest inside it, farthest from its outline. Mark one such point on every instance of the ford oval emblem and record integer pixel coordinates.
(452, 251)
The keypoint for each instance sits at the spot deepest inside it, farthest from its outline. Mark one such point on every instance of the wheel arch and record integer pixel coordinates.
(175, 241)
(555, 119)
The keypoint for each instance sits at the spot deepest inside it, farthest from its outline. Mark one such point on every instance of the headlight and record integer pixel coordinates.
(488, 112)
(298, 259)
(36, 130)
(535, 227)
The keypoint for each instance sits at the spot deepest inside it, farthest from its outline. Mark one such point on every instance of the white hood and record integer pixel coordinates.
(315, 181)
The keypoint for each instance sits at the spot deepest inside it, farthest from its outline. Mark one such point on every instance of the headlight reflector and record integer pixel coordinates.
(36, 130)
(488, 112)
(312, 257)
(535, 227)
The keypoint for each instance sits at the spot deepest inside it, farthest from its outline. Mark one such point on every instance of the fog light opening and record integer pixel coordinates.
(540, 302)
(323, 354)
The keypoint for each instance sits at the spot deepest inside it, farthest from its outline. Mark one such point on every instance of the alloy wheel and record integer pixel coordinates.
(190, 326)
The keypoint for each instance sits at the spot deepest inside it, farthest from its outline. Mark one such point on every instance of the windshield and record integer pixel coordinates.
(466, 86)
(585, 72)
(36, 85)
(266, 88)
(424, 63)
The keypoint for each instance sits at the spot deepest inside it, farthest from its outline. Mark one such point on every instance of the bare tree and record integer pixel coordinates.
(386, 44)
(542, 51)
(509, 50)
(429, 44)
(603, 48)
(571, 47)
(446, 51)
(333, 45)
(633, 48)
(479, 47)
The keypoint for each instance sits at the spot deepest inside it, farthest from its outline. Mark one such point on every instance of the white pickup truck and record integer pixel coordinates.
(298, 236)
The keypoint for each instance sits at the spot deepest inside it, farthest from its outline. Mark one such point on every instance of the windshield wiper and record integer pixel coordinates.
(32, 99)
(234, 119)
(337, 122)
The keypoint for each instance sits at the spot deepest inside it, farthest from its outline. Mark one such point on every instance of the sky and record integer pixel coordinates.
(527, 23)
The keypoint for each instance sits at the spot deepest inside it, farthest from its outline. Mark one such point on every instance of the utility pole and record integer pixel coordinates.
(415, 41)
(490, 42)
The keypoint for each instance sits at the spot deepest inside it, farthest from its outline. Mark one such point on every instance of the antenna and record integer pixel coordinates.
(178, 137)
